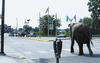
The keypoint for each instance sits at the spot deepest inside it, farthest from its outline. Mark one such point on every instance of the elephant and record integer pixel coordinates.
(81, 33)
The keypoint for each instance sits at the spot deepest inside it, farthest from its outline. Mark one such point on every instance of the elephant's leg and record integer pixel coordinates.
(89, 48)
(72, 44)
(80, 49)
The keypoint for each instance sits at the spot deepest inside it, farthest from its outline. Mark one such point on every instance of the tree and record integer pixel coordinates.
(20, 29)
(7, 28)
(51, 21)
(36, 29)
(86, 20)
(67, 30)
(27, 28)
(94, 7)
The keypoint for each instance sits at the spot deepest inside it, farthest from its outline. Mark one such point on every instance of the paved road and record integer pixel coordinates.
(29, 51)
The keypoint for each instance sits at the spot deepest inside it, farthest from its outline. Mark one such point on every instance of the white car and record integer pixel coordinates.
(61, 36)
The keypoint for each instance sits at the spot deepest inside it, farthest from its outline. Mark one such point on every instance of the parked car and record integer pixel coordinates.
(61, 36)
(11, 34)
(31, 35)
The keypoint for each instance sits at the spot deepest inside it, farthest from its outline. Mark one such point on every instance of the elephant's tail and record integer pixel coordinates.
(92, 43)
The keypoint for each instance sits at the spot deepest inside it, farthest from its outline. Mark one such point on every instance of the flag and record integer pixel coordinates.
(26, 21)
(70, 20)
(67, 18)
(47, 10)
(75, 18)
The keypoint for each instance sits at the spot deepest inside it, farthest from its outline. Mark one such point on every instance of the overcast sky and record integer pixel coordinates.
(29, 9)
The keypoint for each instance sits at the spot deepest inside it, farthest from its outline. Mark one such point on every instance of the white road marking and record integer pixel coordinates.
(66, 49)
(27, 52)
(42, 51)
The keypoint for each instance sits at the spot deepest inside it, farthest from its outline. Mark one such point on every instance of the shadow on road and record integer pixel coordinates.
(87, 55)
(41, 60)
(72, 59)
(94, 55)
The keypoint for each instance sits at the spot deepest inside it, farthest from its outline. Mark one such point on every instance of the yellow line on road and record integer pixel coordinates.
(42, 40)
(37, 39)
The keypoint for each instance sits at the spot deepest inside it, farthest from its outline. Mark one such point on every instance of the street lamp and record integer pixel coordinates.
(2, 28)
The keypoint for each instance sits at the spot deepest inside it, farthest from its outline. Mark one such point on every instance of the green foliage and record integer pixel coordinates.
(36, 29)
(67, 30)
(27, 28)
(86, 20)
(44, 20)
(20, 29)
(94, 7)
(96, 35)
(68, 34)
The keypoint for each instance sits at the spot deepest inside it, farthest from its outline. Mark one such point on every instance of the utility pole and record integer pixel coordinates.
(16, 23)
(56, 24)
(48, 21)
(39, 25)
(2, 28)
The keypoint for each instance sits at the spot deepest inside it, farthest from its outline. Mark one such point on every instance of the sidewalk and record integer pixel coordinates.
(6, 59)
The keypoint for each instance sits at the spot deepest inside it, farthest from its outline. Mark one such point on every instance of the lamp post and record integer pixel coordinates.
(2, 28)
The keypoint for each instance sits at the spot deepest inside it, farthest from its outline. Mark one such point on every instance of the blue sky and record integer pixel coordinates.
(19, 10)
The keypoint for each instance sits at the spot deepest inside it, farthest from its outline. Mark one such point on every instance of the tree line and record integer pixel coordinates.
(94, 20)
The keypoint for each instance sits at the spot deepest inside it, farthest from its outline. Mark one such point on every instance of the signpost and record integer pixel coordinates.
(2, 28)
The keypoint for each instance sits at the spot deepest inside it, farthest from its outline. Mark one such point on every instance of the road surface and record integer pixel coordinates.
(30, 51)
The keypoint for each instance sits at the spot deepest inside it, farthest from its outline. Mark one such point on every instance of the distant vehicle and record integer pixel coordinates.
(11, 34)
(61, 36)
(34, 34)
(21, 34)
(31, 35)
